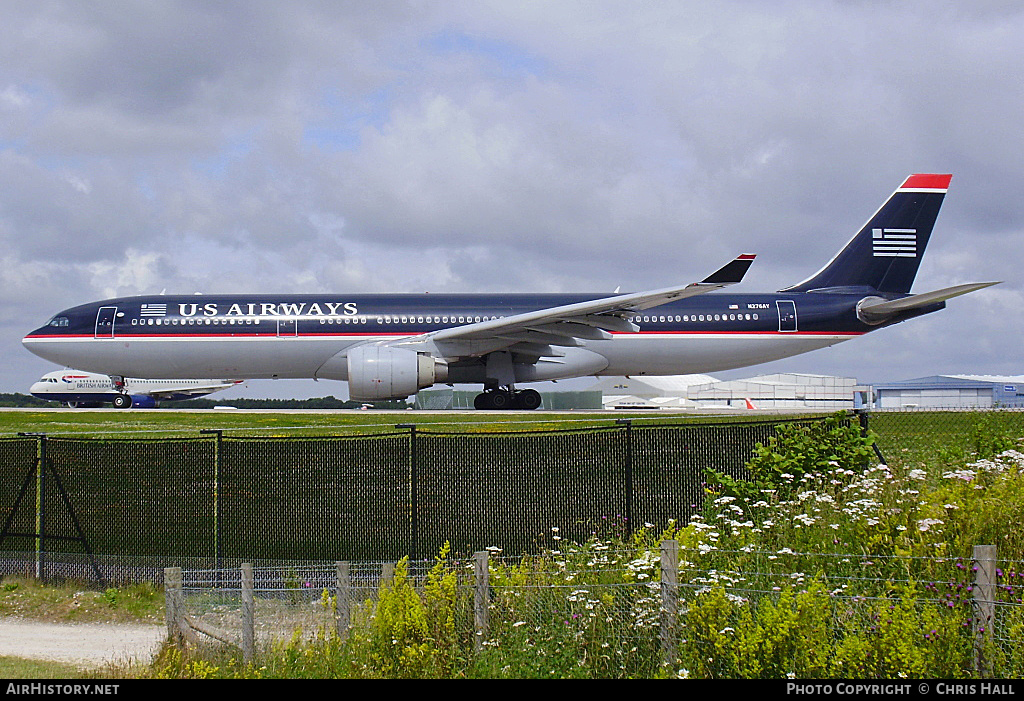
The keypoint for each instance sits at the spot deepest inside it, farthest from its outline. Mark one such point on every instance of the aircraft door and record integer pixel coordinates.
(105, 322)
(787, 315)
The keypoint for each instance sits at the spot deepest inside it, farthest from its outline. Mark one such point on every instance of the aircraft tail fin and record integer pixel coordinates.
(886, 253)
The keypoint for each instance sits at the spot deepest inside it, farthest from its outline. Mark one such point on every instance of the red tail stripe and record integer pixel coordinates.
(929, 181)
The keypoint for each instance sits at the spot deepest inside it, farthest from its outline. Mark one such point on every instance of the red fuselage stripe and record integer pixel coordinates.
(175, 336)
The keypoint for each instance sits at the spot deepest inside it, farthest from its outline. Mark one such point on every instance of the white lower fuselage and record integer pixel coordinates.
(256, 357)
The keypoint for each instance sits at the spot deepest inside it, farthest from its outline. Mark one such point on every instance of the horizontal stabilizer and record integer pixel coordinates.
(875, 309)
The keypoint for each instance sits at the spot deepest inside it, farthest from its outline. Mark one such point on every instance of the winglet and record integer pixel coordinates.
(730, 273)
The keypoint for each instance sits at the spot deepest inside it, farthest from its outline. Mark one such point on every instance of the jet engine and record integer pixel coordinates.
(385, 372)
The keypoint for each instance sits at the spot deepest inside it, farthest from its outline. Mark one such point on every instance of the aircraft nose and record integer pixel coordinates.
(35, 342)
(32, 345)
(27, 338)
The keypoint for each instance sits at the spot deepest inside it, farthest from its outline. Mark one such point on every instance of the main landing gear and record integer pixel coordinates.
(122, 400)
(508, 398)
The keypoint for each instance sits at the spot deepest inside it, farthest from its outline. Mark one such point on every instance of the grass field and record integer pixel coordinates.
(923, 438)
(908, 438)
(108, 423)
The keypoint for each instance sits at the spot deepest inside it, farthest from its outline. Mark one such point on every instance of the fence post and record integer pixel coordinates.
(343, 599)
(248, 613)
(413, 520)
(174, 606)
(628, 425)
(40, 470)
(41, 507)
(218, 435)
(481, 599)
(669, 599)
(984, 559)
(862, 415)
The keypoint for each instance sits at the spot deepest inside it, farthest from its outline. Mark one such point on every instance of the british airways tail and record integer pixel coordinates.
(886, 252)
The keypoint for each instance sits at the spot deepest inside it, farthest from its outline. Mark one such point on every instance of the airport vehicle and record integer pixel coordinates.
(392, 346)
(76, 388)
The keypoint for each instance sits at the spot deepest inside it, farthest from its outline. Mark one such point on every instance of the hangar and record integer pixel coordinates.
(783, 391)
(952, 392)
(777, 391)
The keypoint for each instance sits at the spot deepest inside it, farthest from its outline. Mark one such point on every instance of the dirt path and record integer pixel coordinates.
(85, 644)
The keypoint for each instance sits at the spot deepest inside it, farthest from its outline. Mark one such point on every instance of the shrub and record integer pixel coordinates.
(795, 451)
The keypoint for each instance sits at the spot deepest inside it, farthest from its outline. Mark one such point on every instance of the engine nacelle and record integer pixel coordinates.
(385, 372)
(141, 401)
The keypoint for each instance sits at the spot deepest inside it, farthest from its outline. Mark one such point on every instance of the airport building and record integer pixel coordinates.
(778, 391)
(648, 392)
(951, 392)
(783, 391)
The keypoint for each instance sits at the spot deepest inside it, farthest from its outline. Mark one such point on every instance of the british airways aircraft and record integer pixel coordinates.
(392, 346)
(79, 389)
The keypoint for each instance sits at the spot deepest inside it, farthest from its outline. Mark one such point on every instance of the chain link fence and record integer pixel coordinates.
(222, 500)
(629, 613)
(122, 509)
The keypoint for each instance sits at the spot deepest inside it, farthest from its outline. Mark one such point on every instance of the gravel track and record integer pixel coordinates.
(86, 644)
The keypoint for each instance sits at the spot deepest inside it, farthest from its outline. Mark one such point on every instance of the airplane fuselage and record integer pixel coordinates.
(78, 388)
(392, 346)
(293, 336)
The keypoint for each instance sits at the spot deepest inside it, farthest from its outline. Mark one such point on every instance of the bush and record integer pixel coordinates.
(796, 451)
(409, 635)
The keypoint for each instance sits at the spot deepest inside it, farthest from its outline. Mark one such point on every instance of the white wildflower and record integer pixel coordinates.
(925, 524)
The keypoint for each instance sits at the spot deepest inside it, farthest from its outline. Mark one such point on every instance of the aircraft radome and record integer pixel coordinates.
(76, 388)
(393, 345)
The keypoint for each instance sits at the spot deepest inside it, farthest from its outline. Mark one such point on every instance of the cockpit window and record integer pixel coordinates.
(59, 321)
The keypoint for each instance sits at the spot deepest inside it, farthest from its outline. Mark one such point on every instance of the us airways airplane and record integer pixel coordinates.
(392, 346)
(76, 388)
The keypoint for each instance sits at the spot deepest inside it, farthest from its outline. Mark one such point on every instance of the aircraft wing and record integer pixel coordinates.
(538, 332)
(197, 391)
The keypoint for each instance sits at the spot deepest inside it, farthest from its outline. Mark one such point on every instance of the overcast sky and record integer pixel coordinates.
(548, 145)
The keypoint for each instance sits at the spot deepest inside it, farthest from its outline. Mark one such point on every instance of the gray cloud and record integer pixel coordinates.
(233, 146)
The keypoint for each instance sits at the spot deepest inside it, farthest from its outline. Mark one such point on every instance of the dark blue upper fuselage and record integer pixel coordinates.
(406, 314)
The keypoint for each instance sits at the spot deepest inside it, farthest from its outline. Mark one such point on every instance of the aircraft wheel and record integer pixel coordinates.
(122, 401)
(482, 401)
(501, 399)
(72, 405)
(528, 399)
